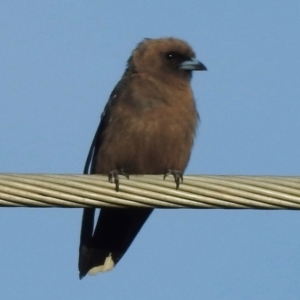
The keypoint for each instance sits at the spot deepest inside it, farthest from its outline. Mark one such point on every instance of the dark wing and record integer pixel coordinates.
(105, 116)
(116, 228)
(87, 224)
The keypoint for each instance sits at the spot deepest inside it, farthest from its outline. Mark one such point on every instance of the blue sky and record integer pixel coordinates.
(59, 62)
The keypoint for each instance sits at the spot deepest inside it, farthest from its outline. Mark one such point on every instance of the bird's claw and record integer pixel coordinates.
(113, 177)
(178, 176)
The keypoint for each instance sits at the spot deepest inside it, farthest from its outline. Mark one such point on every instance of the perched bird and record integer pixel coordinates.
(147, 127)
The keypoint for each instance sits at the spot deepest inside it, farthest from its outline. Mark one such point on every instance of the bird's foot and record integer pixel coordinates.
(178, 176)
(113, 177)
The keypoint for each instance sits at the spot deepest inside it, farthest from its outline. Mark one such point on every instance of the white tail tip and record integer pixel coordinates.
(107, 266)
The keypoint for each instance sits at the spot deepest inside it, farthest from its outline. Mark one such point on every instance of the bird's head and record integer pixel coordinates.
(165, 58)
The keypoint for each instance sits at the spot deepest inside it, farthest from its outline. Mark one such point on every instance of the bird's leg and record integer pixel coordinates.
(178, 176)
(113, 177)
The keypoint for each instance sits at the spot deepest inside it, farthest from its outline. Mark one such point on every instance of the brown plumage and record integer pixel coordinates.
(147, 127)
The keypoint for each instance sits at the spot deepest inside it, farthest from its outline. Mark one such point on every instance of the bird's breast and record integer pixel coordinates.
(149, 141)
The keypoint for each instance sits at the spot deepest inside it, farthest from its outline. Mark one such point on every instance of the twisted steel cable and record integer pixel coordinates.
(49, 190)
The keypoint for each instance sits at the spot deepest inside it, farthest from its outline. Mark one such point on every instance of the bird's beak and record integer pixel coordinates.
(192, 65)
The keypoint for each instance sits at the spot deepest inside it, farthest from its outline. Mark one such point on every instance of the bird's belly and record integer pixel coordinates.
(147, 146)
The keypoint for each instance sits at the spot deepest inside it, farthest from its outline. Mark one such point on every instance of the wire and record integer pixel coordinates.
(49, 190)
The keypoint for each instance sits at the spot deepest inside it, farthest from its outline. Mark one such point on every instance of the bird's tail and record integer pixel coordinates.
(102, 248)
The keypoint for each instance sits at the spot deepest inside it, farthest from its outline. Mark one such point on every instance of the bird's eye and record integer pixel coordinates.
(170, 55)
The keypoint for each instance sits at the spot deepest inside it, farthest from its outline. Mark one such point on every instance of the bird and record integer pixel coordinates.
(148, 126)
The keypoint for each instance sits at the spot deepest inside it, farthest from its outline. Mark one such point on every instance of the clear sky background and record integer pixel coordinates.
(59, 61)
